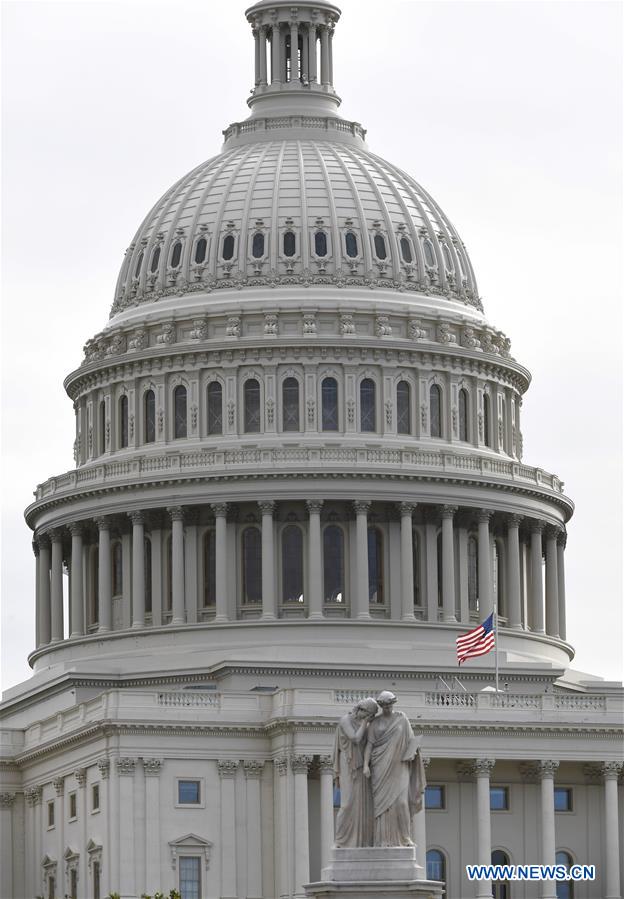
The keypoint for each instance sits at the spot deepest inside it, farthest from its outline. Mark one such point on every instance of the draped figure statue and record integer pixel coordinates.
(393, 763)
(354, 823)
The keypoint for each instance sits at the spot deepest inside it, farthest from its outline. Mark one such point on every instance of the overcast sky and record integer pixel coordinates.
(509, 113)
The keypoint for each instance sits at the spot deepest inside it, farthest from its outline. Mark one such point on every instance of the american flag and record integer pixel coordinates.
(476, 642)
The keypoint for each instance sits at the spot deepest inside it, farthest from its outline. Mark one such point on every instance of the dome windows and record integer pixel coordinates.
(251, 399)
(429, 254)
(404, 425)
(123, 421)
(252, 565)
(367, 405)
(228, 247)
(435, 410)
(379, 243)
(149, 416)
(292, 564)
(351, 245)
(406, 250)
(329, 404)
(155, 260)
(320, 244)
(290, 405)
(179, 412)
(215, 408)
(257, 245)
(447, 257)
(176, 254)
(290, 244)
(201, 248)
(137, 270)
(333, 564)
(462, 403)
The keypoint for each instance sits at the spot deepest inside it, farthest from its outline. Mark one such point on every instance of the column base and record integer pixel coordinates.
(373, 863)
(178, 621)
(408, 617)
(103, 629)
(137, 625)
(380, 889)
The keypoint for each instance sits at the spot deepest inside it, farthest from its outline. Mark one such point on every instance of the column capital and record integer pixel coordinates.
(610, 770)
(267, 506)
(448, 511)
(407, 509)
(125, 767)
(42, 541)
(546, 768)
(483, 767)
(227, 767)
(483, 516)
(551, 532)
(280, 764)
(314, 506)
(7, 800)
(81, 776)
(103, 523)
(176, 513)
(326, 763)
(35, 547)
(33, 795)
(104, 768)
(300, 763)
(151, 767)
(76, 528)
(361, 506)
(562, 539)
(59, 785)
(253, 768)
(426, 761)
(56, 534)
(514, 521)
(220, 510)
(137, 517)
(536, 526)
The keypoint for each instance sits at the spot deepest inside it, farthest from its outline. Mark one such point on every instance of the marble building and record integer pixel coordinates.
(298, 478)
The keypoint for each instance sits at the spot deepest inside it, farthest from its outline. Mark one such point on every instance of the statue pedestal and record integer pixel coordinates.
(375, 872)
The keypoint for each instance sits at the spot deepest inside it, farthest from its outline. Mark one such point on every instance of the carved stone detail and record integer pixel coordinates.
(233, 326)
(59, 785)
(152, 767)
(7, 800)
(125, 767)
(253, 768)
(280, 764)
(314, 506)
(81, 776)
(33, 795)
(228, 767)
(300, 763)
(104, 767)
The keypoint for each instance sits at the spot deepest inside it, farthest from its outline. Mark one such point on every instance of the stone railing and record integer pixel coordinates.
(271, 123)
(190, 700)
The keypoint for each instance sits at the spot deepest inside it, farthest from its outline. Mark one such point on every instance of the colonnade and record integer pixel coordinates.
(283, 37)
(429, 546)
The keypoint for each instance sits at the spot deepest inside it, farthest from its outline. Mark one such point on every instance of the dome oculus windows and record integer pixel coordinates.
(290, 243)
(176, 254)
(320, 244)
(429, 254)
(155, 260)
(351, 245)
(200, 250)
(447, 257)
(380, 246)
(137, 270)
(406, 250)
(228, 247)
(257, 245)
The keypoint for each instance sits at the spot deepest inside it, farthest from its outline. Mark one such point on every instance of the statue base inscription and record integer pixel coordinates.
(374, 872)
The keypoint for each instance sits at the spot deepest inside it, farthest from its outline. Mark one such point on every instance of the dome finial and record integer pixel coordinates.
(294, 58)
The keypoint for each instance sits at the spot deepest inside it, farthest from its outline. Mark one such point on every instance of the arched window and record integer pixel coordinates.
(380, 246)
(252, 565)
(94, 592)
(447, 257)
(137, 270)
(123, 421)
(351, 244)
(320, 243)
(168, 574)
(117, 568)
(329, 404)
(176, 254)
(102, 428)
(290, 404)
(436, 865)
(210, 568)
(290, 244)
(251, 396)
(228, 246)
(155, 260)
(147, 572)
(215, 408)
(500, 888)
(257, 245)
(435, 410)
(292, 564)
(565, 888)
(200, 250)
(404, 423)
(429, 254)
(406, 249)
(333, 564)
(368, 417)
(462, 402)
(149, 416)
(416, 567)
(375, 566)
(486, 420)
(473, 573)
(179, 411)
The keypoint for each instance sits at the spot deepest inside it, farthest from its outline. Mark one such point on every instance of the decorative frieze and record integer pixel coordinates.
(59, 785)
(33, 795)
(7, 800)
(253, 768)
(228, 767)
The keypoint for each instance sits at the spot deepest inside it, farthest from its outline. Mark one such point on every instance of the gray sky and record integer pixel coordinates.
(509, 113)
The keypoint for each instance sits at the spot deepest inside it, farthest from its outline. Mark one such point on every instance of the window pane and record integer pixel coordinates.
(499, 798)
(289, 244)
(117, 569)
(257, 246)
(155, 260)
(434, 797)
(228, 246)
(367, 405)
(435, 403)
(406, 250)
(375, 565)
(429, 254)
(179, 404)
(96, 880)
(215, 408)
(486, 419)
(200, 250)
(210, 569)
(380, 246)
(563, 799)
(320, 243)
(147, 573)
(123, 421)
(333, 564)
(292, 564)
(150, 417)
(447, 256)
(435, 865)
(102, 423)
(351, 245)
(176, 255)
(190, 877)
(252, 565)
(188, 792)
(290, 404)
(473, 572)
(137, 270)
(252, 406)
(404, 425)
(95, 797)
(463, 415)
(329, 402)
(416, 566)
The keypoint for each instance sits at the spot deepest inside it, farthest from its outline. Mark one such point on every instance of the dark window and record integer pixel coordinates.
(94, 593)
(434, 797)
(155, 260)
(406, 250)
(463, 414)
(215, 408)
(96, 880)
(435, 410)
(473, 573)
(73, 884)
(149, 406)
(447, 256)
(117, 565)
(190, 877)
(189, 792)
(210, 569)
(375, 566)
(499, 798)
(123, 421)
(292, 564)
(290, 404)
(563, 799)
(179, 409)
(200, 250)
(333, 563)
(329, 404)
(252, 565)
(416, 567)
(95, 797)
(429, 254)
(73, 806)
(168, 574)
(137, 270)
(251, 392)
(486, 420)
(436, 868)
(565, 888)
(351, 244)
(439, 566)
(176, 255)
(51, 888)
(147, 573)
(228, 246)
(404, 424)
(51, 814)
(257, 245)
(500, 888)
(380, 246)
(320, 243)
(367, 405)
(102, 428)
(289, 244)
(336, 796)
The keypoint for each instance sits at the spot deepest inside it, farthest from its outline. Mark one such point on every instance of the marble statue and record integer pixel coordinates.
(396, 771)
(354, 823)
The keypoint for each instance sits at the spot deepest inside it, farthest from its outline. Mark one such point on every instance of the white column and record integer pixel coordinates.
(191, 586)
(269, 599)
(151, 771)
(305, 65)
(59, 821)
(315, 562)
(327, 808)
(324, 55)
(610, 773)
(227, 772)
(138, 568)
(552, 586)
(33, 841)
(561, 542)
(419, 832)
(331, 56)
(294, 51)
(220, 513)
(177, 564)
(276, 54)
(253, 776)
(300, 765)
(312, 53)
(81, 779)
(448, 564)
(104, 766)
(486, 603)
(105, 585)
(537, 590)
(56, 585)
(283, 827)
(514, 603)
(546, 772)
(483, 769)
(256, 35)
(113, 825)
(35, 549)
(76, 595)
(360, 602)
(8, 852)
(263, 55)
(407, 562)
(125, 824)
(44, 589)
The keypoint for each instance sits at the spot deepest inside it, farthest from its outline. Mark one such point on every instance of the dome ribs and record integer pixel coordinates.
(365, 243)
(335, 248)
(244, 235)
(214, 249)
(305, 248)
(273, 244)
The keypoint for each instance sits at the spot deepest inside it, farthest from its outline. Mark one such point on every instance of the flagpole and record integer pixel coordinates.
(496, 645)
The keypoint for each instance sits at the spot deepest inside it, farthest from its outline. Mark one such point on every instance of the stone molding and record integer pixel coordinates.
(314, 506)
(301, 763)
(59, 785)
(7, 800)
(125, 766)
(611, 770)
(326, 763)
(253, 768)
(227, 767)
(280, 764)
(81, 776)
(220, 510)
(152, 767)
(104, 768)
(267, 506)
(33, 795)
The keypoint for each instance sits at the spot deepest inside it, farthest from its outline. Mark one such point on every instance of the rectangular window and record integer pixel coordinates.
(96, 880)
(73, 806)
(434, 797)
(499, 799)
(51, 814)
(563, 799)
(51, 888)
(73, 884)
(189, 792)
(190, 877)
(95, 798)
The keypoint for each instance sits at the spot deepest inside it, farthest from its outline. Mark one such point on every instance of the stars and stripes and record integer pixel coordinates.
(476, 642)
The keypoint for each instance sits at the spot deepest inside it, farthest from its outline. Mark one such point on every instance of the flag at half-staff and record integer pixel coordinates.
(476, 642)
